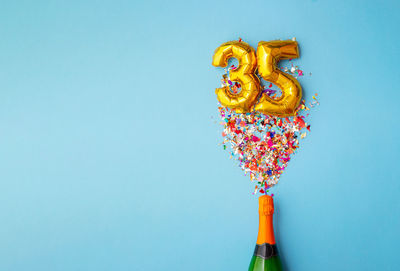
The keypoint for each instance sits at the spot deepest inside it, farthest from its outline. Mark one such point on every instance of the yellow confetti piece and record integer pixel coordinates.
(255, 190)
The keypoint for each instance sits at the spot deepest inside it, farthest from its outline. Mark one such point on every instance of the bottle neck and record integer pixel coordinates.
(265, 226)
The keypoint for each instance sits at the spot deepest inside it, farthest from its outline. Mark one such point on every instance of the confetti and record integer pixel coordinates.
(263, 144)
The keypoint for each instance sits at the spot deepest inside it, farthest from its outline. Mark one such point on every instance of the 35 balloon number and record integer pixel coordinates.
(266, 59)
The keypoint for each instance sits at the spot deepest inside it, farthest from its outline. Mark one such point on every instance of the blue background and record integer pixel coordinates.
(109, 157)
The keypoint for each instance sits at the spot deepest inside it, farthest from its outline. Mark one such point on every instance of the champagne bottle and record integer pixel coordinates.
(265, 254)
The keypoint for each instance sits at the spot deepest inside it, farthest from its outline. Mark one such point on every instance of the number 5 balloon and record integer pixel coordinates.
(268, 55)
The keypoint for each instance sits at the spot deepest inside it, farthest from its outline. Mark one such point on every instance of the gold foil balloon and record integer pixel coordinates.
(268, 55)
(244, 74)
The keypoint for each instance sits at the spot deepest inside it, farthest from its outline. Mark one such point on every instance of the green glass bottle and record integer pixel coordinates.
(265, 256)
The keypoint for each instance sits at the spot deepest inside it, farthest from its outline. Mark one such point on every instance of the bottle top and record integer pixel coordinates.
(266, 205)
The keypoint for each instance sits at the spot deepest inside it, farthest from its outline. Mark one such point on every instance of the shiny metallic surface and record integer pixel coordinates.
(268, 55)
(244, 74)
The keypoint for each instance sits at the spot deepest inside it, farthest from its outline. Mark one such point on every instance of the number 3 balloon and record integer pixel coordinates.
(244, 74)
(268, 56)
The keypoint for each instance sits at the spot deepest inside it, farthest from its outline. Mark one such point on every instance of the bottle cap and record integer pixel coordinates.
(266, 205)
